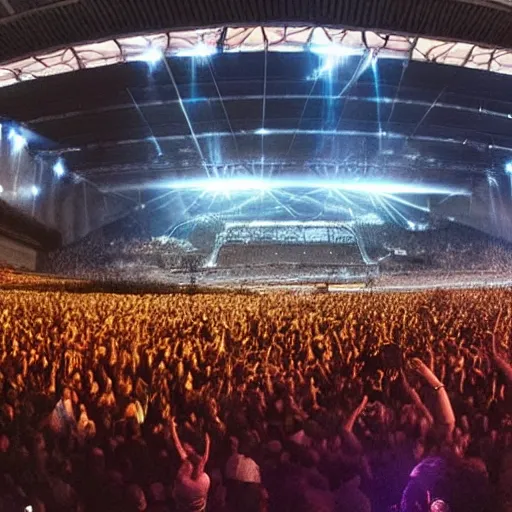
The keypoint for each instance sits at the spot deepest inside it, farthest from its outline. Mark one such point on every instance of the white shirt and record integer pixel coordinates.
(243, 469)
(191, 495)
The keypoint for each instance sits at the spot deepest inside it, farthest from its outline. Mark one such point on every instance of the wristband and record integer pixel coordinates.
(437, 388)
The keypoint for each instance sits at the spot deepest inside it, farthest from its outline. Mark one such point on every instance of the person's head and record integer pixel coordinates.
(446, 482)
(247, 446)
(106, 420)
(136, 498)
(132, 428)
(157, 492)
(8, 412)
(191, 464)
(4, 443)
(66, 393)
(308, 457)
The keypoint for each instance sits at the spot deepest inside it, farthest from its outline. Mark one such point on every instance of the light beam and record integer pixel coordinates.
(59, 169)
(18, 142)
(151, 56)
(247, 184)
(201, 51)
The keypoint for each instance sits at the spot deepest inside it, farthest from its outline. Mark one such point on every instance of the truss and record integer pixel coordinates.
(254, 39)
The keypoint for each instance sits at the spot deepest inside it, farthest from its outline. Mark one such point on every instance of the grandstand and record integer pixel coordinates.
(335, 247)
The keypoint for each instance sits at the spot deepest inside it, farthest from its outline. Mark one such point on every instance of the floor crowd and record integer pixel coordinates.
(278, 402)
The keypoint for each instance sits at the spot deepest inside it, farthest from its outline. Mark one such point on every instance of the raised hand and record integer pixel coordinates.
(420, 367)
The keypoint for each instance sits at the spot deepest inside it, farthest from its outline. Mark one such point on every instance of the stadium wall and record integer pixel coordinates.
(17, 255)
(22, 238)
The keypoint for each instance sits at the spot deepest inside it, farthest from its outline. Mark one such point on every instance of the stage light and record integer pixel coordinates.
(59, 169)
(217, 185)
(331, 56)
(1, 189)
(333, 50)
(201, 50)
(152, 56)
(18, 142)
(508, 168)
(34, 191)
(262, 131)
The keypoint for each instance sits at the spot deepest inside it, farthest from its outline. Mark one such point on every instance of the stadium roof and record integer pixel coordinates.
(32, 26)
(146, 105)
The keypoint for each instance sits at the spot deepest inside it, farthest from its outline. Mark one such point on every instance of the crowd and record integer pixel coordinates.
(273, 402)
(450, 247)
(98, 257)
(104, 254)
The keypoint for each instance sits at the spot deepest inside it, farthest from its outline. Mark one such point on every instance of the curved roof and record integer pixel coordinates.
(206, 42)
(29, 27)
(385, 108)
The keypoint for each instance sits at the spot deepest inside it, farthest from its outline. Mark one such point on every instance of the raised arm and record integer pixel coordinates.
(204, 458)
(352, 439)
(502, 365)
(445, 416)
(179, 447)
(349, 423)
(413, 395)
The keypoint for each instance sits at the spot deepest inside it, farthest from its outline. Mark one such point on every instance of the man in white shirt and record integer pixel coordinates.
(241, 467)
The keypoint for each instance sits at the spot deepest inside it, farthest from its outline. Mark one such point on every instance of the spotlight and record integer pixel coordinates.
(201, 50)
(34, 191)
(1, 189)
(152, 56)
(508, 168)
(262, 131)
(59, 169)
(18, 141)
(334, 50)
(331, 56)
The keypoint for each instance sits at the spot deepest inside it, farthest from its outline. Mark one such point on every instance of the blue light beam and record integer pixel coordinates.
(248, 184)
